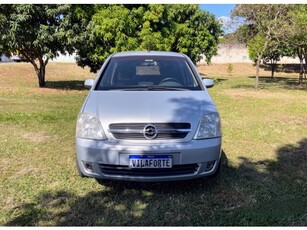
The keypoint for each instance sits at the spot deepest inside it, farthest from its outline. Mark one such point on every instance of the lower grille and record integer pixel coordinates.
(125, 170)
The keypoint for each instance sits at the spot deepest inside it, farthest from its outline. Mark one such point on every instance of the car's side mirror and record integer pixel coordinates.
(208, 82)
(89, 83)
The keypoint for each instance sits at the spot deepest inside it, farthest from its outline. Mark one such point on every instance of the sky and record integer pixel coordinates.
(218, 10)
(222, 12)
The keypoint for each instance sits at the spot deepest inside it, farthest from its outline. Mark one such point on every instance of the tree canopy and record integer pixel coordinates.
(274, 51)
(34, 31)
(273, 30)
(293, 34)
(260, 23)
(38, 32)
(179, 28)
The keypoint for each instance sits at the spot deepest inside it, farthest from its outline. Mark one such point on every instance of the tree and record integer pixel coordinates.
(273, 55)
(254, 47)
(179, 28)
(35, 32)
(293, 33)
(263, 21)
(298, 38)
(275, 50)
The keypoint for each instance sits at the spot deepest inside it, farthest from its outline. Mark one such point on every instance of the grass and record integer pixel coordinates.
(262, 180)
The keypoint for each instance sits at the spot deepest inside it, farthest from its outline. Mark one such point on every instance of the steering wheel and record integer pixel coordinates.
(169, 79)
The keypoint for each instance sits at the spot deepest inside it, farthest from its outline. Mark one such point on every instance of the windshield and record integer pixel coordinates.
(147, 73)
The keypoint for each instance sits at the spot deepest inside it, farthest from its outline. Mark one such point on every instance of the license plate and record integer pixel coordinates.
(146, 161)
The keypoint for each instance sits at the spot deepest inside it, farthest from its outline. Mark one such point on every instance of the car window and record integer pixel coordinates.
(139, 72)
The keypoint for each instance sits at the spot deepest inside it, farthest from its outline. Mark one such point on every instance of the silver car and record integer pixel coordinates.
(148, 117)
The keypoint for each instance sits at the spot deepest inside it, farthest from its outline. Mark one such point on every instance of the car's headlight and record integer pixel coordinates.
(89, 126)
(209, 126)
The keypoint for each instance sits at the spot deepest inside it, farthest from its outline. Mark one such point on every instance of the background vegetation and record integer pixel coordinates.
(272, 31)
(39, 32)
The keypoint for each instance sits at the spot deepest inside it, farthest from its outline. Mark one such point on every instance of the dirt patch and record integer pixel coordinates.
(24, 172)
(261, 94)
(296, 120)
(240, 69)
(5, 164)
(36, 137)
(221, 69)
(23, 74)
(17, 132)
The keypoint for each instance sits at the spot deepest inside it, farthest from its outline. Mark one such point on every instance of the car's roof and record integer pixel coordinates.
(148, 53)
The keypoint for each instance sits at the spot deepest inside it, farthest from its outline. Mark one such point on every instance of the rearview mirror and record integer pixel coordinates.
(208, 82)
(89, 83)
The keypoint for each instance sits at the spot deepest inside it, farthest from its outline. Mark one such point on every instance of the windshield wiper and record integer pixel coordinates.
(135, 89)
(152, 88)
(127, 89)
(162, 88)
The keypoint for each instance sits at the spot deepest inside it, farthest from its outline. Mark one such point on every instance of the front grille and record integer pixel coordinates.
(126, 171)
(135, 131)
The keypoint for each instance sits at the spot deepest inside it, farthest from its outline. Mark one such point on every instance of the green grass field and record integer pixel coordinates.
(262, 180)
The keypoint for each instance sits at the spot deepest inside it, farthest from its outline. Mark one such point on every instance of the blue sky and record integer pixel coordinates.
(222, 12)
(218, 10)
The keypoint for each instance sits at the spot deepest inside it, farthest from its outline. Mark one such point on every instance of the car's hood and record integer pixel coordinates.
(149, 106)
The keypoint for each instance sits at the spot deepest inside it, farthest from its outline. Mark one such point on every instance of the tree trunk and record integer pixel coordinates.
(260, 55)
(305, 56)
(302, 69)
(40, 72)
(273, 64)
(41, 75)
(257, 72)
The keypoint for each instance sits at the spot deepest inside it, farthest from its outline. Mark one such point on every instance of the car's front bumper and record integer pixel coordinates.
(109, 160)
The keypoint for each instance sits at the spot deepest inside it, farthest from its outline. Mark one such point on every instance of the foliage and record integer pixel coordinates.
(293, 34)
(260, 24)
(255, 46)
(34, 32)
(115, 28)
(39, 32)
(274, 51)
(229, 68)
(272, 31)
(244, 33)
